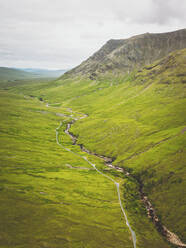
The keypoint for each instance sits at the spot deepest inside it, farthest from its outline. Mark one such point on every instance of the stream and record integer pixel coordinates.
(170, 236)
(111, 179)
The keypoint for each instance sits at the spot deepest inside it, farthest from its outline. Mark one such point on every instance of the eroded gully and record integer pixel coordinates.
(170, 236)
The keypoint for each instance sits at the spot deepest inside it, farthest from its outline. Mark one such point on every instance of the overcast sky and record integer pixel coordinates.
(63, 33)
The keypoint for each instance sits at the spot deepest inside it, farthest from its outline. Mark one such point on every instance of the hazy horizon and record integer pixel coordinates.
(38, 68)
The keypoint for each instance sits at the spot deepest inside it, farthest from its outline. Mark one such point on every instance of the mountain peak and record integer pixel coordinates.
(125, 55)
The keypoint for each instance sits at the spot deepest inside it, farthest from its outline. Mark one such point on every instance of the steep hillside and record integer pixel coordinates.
(125, 55)
(140, 123)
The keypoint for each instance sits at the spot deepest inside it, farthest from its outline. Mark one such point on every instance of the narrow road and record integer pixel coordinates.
(116, 184)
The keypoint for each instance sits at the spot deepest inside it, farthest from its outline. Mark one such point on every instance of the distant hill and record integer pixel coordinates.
(125, 55)
(12, 74)
(45, 72)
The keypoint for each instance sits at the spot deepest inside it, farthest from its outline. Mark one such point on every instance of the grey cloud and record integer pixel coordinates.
(152, 11)
(167, 11)
(63, 33)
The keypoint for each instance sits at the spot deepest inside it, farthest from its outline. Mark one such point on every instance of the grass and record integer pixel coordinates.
(142, 126)
(137, 119)
(43, 202)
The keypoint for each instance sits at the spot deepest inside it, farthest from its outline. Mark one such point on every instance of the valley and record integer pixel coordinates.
(96, 157)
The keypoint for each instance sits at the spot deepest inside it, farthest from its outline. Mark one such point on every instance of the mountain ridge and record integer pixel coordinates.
(125, 55)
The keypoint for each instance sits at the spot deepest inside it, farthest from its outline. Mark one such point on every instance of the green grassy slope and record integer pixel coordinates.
(141, 123)
(139, 120)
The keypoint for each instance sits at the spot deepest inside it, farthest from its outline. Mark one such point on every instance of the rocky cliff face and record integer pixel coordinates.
(125, 55)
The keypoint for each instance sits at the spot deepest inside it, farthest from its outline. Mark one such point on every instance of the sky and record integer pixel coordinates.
(60, 34)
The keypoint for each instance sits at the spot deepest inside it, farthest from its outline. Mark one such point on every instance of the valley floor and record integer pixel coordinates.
(44, 203)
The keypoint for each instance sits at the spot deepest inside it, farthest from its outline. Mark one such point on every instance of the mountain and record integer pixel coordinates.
(125, 55)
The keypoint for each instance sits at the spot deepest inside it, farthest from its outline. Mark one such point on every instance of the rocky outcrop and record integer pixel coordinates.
(125, 55)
